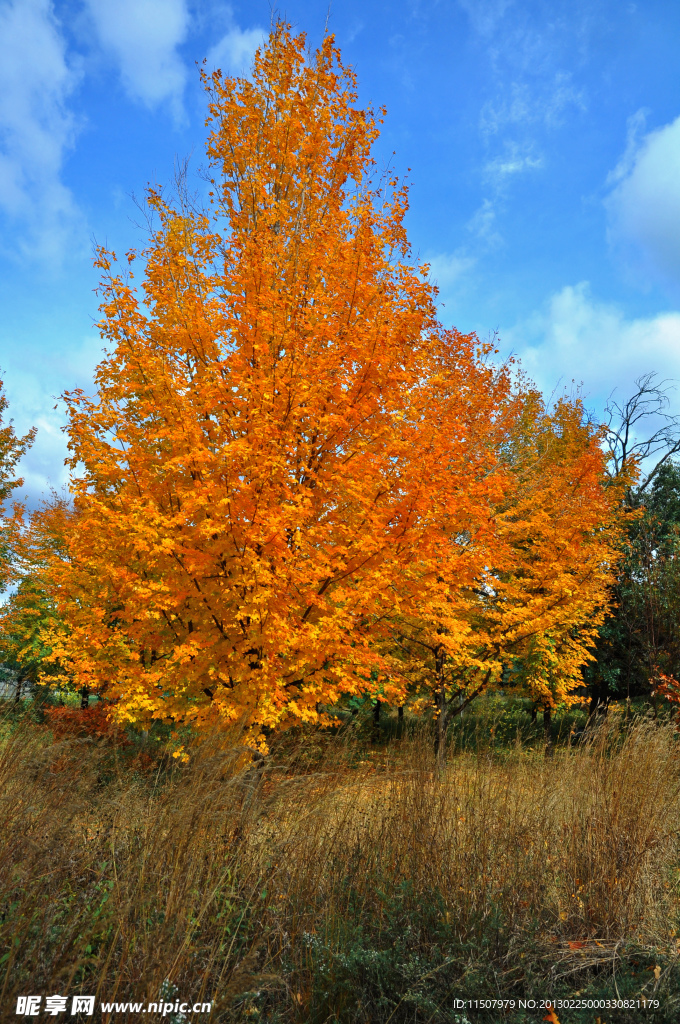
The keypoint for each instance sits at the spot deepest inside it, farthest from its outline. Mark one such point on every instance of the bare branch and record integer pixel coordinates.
(649, 402)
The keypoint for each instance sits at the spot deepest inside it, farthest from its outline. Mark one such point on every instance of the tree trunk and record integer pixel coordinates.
(441, 705)
(547, 732)
(594, 704)
(84, 698)
(19, 688)
(375, 734)
(442, 725)
(599, 697)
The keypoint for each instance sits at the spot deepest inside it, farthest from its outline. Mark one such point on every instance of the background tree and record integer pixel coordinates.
(533, 614)
(29, 622)
(26, 620)
(12, 449)
(641, 435)
(639, 639)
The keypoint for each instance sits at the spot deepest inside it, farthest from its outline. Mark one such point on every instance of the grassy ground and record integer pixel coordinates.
(345, 882)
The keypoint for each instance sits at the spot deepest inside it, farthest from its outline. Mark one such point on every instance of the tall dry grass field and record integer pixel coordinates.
(375, 891)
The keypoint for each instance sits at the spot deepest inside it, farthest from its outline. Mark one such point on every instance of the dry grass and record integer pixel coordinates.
(378, 892)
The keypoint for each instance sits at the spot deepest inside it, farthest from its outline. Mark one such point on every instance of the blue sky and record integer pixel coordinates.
(542, 138)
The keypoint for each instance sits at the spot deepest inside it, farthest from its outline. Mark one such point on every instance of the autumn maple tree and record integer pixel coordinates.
(291, 475)
(530, 616)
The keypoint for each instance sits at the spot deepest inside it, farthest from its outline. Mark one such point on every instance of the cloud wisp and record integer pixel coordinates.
(532, 57)
(541, 102)
(36, 129)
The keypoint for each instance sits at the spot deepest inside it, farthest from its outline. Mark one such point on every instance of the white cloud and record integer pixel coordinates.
(447, 269)
(143, 36)
(234, 53)
(36, 126)
(644, 204)
(33, 378)
(576, 337)
(31, 404)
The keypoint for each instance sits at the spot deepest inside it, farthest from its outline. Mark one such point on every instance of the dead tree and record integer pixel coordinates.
(645, 413)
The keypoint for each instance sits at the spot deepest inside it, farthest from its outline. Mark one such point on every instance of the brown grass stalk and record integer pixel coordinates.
(218, 878)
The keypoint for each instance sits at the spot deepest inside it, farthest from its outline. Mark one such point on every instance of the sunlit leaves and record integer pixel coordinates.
(290, 472)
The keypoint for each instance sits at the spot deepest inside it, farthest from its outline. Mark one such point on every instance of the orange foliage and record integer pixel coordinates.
(548, 544)
(289, 464)
(94, 722)
(667, 686)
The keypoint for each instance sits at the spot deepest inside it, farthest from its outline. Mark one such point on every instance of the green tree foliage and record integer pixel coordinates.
(640, 639)
(12, 449)
(29, 620)
(26, 624)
